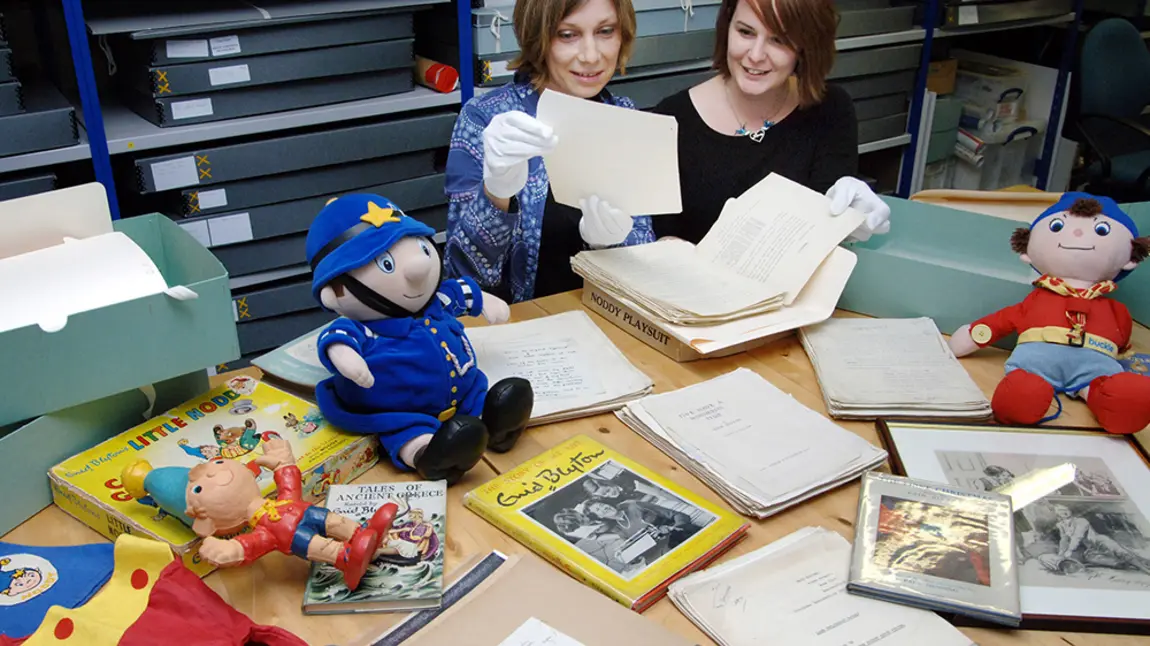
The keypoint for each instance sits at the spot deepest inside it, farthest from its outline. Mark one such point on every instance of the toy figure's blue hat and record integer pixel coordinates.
(166, 486)
(1110, 209)
(353, 230)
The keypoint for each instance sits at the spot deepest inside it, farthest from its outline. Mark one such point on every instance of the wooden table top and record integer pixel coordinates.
(270, 591)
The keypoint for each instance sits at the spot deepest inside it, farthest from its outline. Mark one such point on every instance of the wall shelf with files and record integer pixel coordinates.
(971, 140)
(236, 122)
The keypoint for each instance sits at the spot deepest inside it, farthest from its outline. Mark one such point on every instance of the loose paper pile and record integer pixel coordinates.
(793, 591)
(758, 256)
(871, 368)
(755, 445)
(573, 367)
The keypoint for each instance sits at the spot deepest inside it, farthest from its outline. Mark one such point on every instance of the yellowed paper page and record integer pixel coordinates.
(627, 157)
(777, 234)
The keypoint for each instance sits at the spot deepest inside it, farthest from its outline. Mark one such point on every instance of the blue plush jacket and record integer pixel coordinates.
(492, 246)
(424, 368)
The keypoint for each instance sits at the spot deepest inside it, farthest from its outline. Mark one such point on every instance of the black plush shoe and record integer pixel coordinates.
(506, 412)
(457, 446)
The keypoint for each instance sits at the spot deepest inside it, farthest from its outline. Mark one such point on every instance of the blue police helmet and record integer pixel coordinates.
(353, 230)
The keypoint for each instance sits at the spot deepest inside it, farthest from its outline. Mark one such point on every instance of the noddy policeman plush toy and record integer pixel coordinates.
(1070, 334)
(401, 365)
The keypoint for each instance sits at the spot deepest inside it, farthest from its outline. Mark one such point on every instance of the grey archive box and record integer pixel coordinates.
(865, 87)
(263, 255)
(7, 73)
(273, 301)
(11, 98)
(325, 182)
(265, 334)
(223, 43)
(862, 62)
(264, 99)
(882, 128)
(493, 34)
(210, 76)
(13, 188)
(49, 122)
(296, 216)
(648, 92)
(209, 166)
(867, 17)
(957, 16)
(648, 55)
(881, 106)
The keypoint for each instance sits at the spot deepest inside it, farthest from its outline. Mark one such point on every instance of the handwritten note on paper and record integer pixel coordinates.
(536, 633)
(555, 367)
(627, 157)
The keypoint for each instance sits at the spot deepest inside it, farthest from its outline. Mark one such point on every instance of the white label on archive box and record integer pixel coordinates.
(229, 75)
(175, 173)
(191, 109)
(225, 45)
(230, 229)
(187, 48)
(46, 286)
(199, 231)
(212, 199)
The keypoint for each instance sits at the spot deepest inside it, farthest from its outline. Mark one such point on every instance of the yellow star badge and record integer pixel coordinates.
(378, 216)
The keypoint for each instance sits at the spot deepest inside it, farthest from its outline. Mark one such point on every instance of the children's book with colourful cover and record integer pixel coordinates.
(606, 520)
(1137, 363)
(407, 572)
(230, 421)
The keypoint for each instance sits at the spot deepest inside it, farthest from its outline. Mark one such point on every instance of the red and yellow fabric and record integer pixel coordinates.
(1062, 314)
(151, 598)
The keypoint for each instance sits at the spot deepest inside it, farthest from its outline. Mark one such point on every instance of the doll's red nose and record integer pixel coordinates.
(1078, 233)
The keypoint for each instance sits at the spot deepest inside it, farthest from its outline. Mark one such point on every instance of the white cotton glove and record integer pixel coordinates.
(852, 192)
(495, 309)
(603, 225)
(509, 141)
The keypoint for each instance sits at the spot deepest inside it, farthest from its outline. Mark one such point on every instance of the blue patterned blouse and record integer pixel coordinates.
(500, 250)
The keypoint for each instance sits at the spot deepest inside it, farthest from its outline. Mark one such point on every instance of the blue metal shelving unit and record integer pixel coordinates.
(930, 17)
(90, 100)
(1050, 144)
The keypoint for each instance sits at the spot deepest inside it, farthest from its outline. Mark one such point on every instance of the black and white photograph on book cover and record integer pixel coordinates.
(619, 518)
(1087, 534)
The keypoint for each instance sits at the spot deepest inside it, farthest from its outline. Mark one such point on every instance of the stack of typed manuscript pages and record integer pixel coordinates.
(759, 448)
(771, 263)
(871, 368)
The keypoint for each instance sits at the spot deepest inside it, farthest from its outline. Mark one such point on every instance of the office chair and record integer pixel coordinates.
(1114, 89)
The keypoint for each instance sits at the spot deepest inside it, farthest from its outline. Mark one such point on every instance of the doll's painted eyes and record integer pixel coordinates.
(385, 263)
(197, 489)
(219, 461)
(1057, 225)
(426, 248)
(1102, 228)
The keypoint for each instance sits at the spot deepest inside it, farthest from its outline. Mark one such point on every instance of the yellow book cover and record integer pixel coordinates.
(609, 522)
(229, 421)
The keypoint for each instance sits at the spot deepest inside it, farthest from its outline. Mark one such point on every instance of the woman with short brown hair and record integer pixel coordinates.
(504, 227)
(769, 110)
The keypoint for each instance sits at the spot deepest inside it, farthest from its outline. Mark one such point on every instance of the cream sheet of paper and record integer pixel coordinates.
(46, 286)
(536, 633)
(45, 219)
(777, 234)
(627, 157)
(794, 592)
